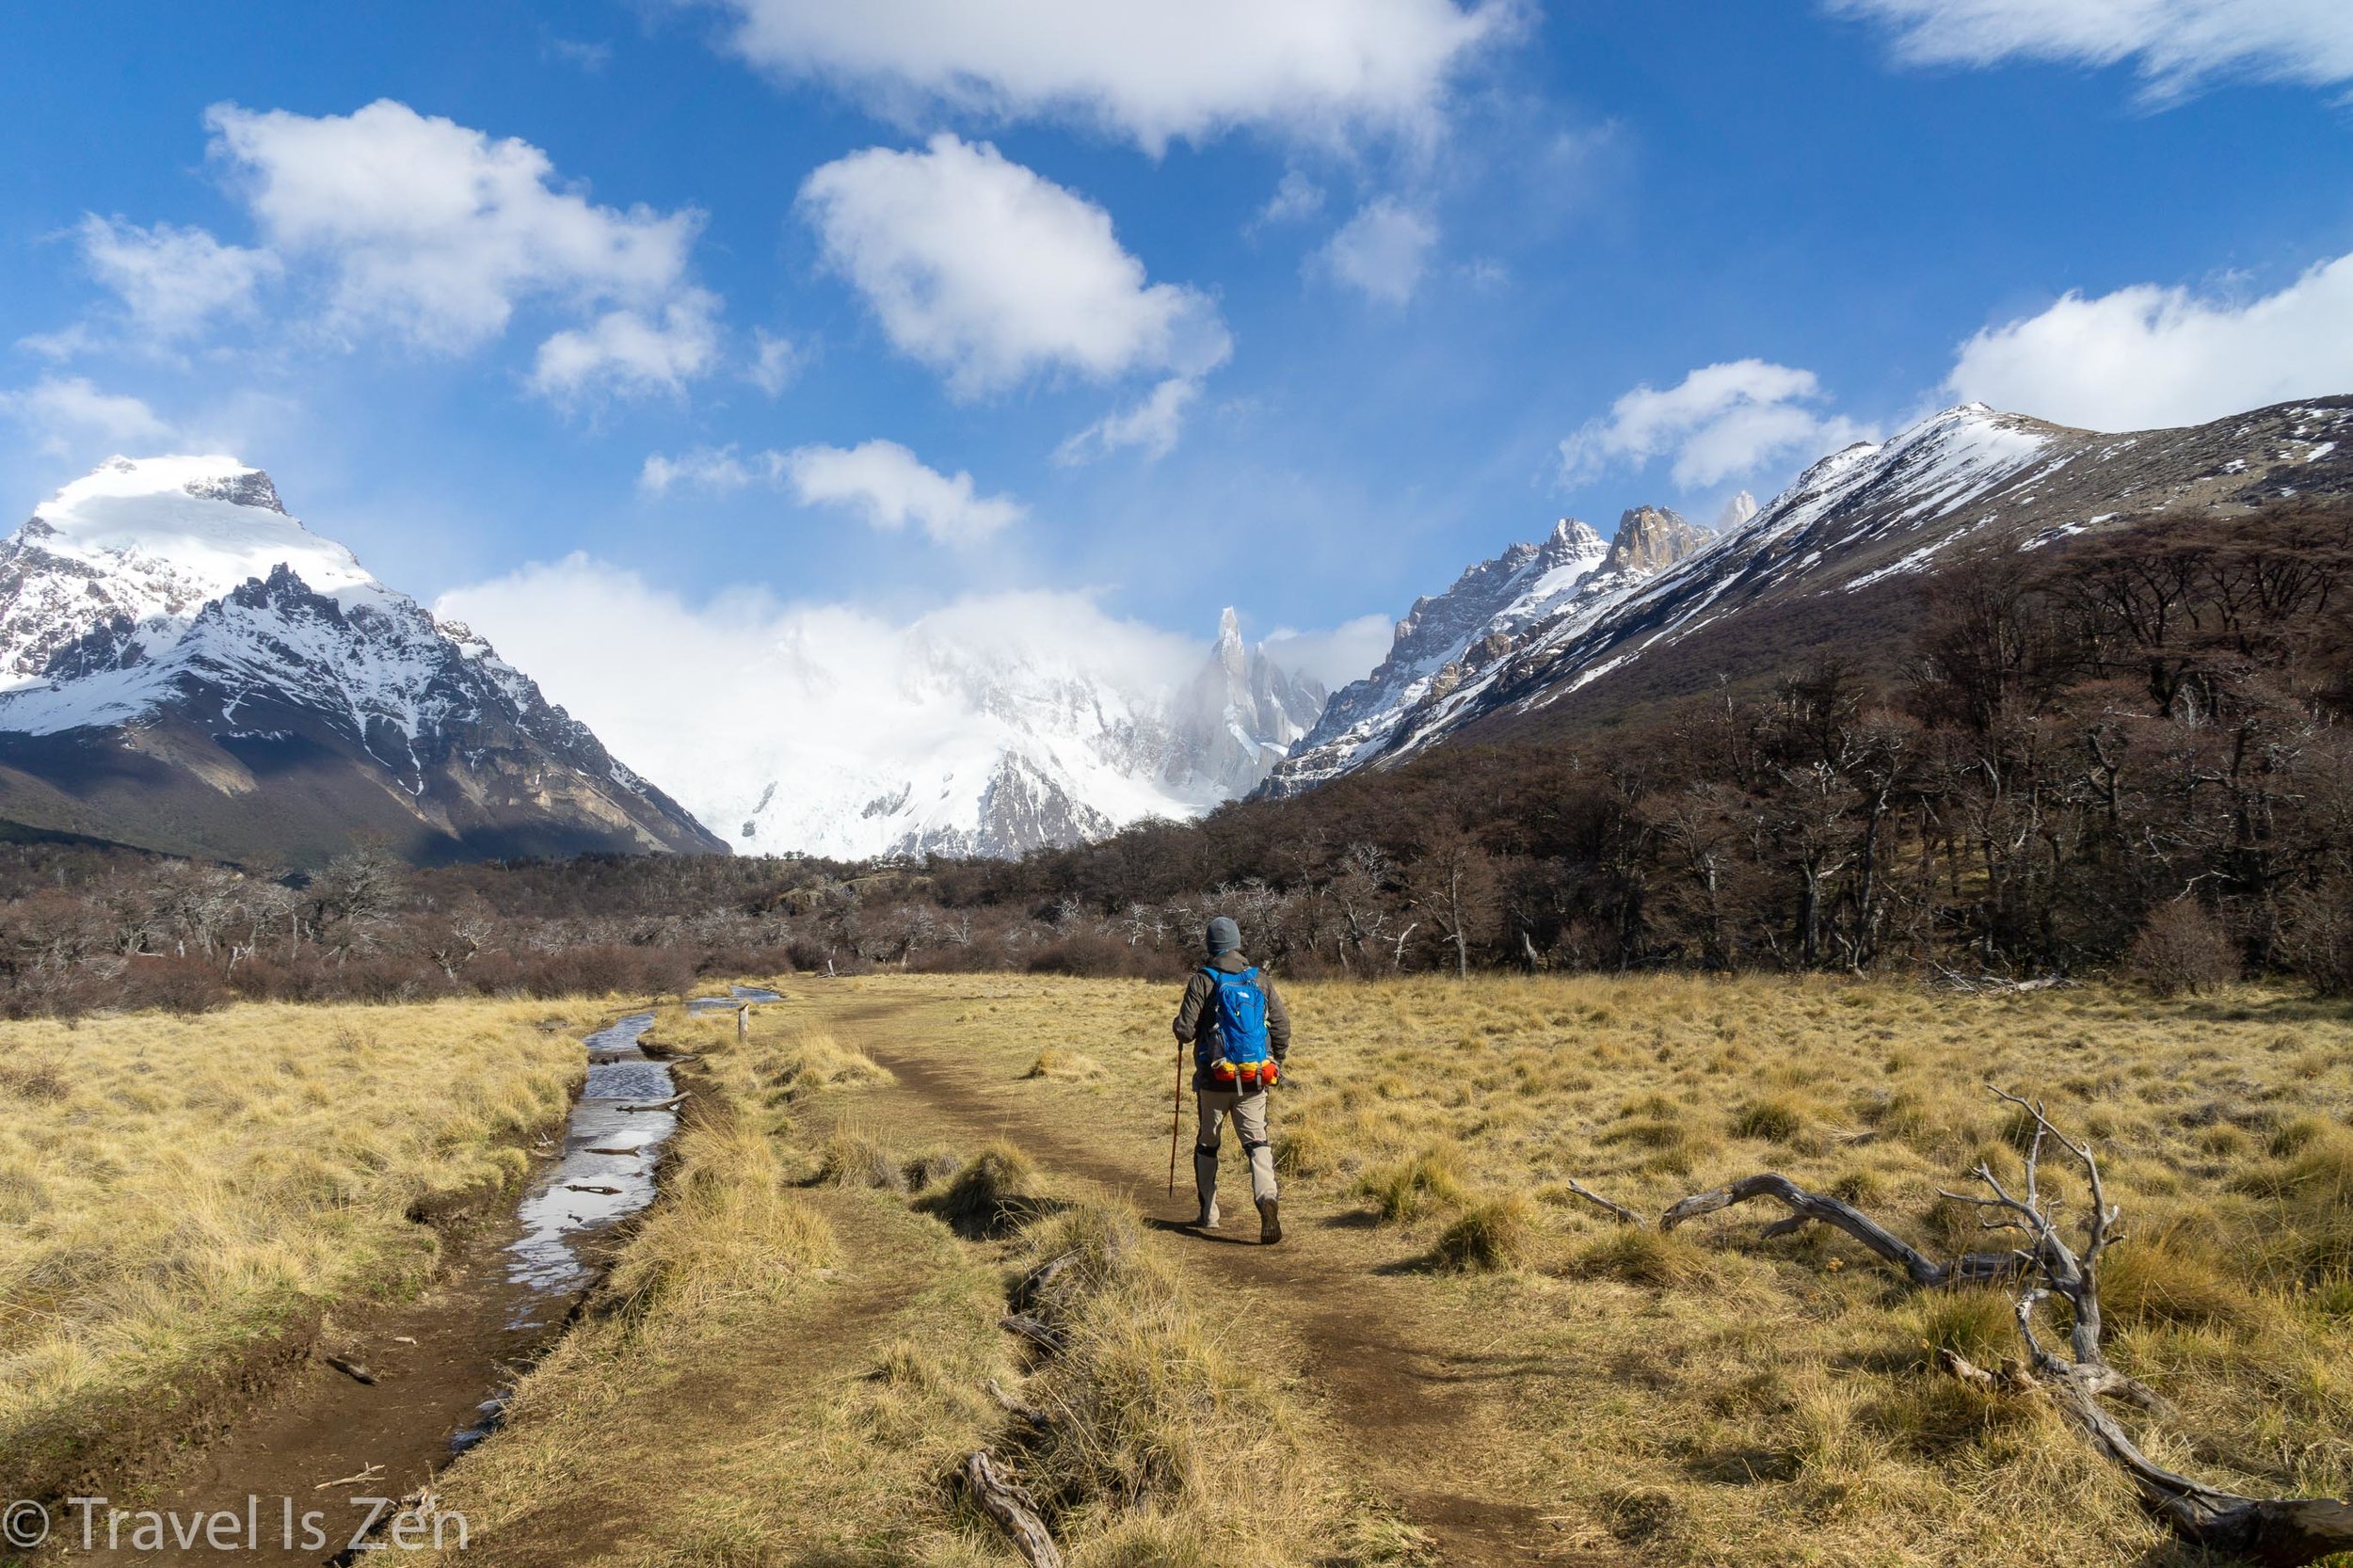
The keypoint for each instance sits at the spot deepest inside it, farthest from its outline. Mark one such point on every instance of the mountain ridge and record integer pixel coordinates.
(184, 666)
(1825, 567)
(1450, 639)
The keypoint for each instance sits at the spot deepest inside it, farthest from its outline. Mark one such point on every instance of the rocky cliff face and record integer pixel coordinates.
(1650, 540)
(184, 667)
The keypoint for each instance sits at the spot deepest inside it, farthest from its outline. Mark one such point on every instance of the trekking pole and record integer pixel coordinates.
(1176, 1117)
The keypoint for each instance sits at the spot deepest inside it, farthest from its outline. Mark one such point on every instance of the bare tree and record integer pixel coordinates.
(1452, 883)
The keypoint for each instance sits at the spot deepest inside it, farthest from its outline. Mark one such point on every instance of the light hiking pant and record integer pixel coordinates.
(1249, 1114)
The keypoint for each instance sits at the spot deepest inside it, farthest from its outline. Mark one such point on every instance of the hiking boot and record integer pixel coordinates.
(1270, 1222)
(1206, 1219)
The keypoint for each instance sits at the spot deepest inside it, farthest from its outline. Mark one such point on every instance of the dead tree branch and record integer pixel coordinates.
(1818, 1208)
(1011, 1508)
(1624, 1215)
(2285, 1532)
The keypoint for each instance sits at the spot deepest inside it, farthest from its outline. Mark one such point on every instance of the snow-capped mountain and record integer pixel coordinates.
(993, 740)
(1825, 567)
(1454, 641)
(184, 666)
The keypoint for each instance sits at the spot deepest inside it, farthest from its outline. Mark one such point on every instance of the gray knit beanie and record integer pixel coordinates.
(1225, 936)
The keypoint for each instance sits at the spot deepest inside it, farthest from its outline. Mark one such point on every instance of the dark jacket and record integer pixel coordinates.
(1196, 1016)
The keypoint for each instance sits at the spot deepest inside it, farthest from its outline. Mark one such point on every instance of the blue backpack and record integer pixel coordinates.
(1241, 1017)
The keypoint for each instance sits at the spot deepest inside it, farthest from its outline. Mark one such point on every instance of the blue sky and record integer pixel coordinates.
(1167, 307)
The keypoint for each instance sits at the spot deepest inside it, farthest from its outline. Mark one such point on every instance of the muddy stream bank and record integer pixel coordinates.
(395, 1392)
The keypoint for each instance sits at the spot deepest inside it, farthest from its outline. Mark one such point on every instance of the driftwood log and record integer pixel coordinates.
(2284, 1532)
(670, 1104)
(1013, 1508)
(1819, 1208)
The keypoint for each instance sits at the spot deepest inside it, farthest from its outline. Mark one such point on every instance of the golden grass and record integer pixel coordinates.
(784, 1369)
(1499, 1233)
(1064, 1066)
(175, 1190)
(1709, 1396)
(1171, 1439)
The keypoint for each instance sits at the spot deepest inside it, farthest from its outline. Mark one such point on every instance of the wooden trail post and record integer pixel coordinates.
(1175, 1117)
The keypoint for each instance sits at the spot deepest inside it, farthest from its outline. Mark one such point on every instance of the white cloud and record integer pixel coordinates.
(718, 469)
(1152, 425)
(2175, 46)
(775, 360)
(1295, 197)
(880, 482)
(987, 273)
(1141, 67)
(1346, 653)
(1381, 252)
(173, 281)
(886, 484)
(2147, 357)
(68, 416)
(436, 233)
(624, 351)
(1720, 421)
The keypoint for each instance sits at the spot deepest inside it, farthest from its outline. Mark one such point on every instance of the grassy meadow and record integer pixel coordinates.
(1708, 1395)
(801, 1342)
(177, 1194)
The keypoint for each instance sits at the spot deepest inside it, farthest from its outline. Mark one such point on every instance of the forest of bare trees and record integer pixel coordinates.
(2127, 749)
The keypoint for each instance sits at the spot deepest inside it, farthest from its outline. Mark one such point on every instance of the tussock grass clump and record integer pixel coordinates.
(1661, 1260)
(1064, 1066)
(1773, 1118)
(731, 1226)
(993, 1193)
(1499, 1233)
(1405, 1190)
(1977, 1324)
(814, 1060)
(853, 1156)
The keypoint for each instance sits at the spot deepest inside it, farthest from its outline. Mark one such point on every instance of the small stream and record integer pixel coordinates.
(604, 1174)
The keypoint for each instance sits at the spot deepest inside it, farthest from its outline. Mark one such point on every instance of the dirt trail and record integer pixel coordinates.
(1410, 1406)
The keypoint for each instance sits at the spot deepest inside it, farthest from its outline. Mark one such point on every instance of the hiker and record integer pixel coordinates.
(1240, 1034)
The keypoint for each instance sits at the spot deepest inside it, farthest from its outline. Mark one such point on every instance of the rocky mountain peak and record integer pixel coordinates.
(1652, 538)
(1231, 655)
(1571, 539)
(247, 486)
(1736, 513)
